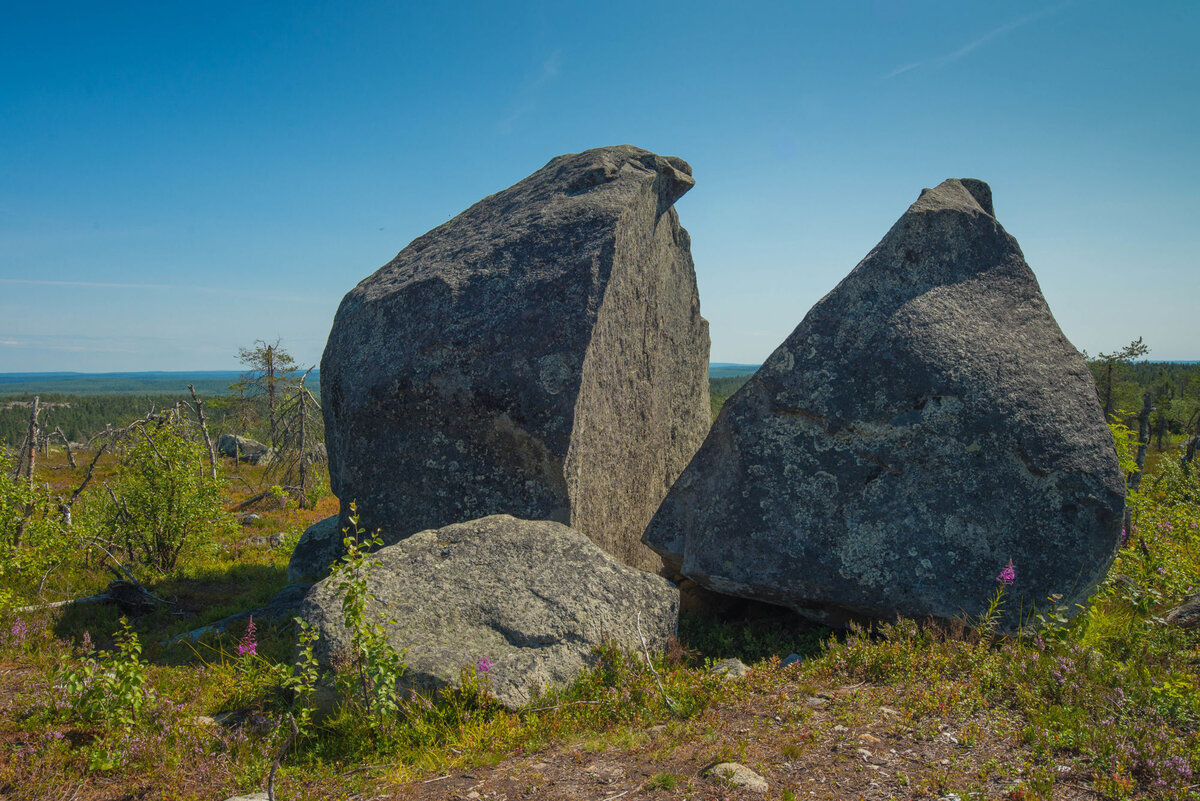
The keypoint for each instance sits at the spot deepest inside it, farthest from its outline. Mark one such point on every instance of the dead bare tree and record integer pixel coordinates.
(30, 464)
(300, 441)
(212, 453)
(66, 444)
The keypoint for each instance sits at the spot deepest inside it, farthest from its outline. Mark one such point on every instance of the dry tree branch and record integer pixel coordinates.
(87, 478)
(279, 757)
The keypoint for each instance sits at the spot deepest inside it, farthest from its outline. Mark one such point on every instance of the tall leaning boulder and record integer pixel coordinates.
(924, 424)
(540, 355)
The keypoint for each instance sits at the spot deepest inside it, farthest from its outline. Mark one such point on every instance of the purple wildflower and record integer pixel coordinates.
(483, 665)
(19, 630)
(248, 645)
(1124, 538)
(1008, 575)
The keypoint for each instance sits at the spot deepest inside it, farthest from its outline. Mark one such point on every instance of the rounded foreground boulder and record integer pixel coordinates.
(527, 600)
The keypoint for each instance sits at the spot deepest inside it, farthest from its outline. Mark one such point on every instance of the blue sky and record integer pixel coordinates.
(181, 179)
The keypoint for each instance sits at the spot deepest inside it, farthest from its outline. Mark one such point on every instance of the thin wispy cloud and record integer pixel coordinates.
(11, 343)
(215, 290)
(954, 55)
(527, 96)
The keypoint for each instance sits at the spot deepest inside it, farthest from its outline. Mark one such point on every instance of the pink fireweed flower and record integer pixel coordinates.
(1008, 575)
(483, 665)
(248, 645)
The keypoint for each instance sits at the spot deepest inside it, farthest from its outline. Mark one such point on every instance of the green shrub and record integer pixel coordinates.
(374, 669)
(163, 501)
(109, 688)
(31, 533)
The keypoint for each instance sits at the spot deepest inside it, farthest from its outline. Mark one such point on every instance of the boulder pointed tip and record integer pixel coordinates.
(960, 194)
(981, 192)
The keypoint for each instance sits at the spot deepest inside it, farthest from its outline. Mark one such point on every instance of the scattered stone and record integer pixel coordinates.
(815, 702)
(730, 668)
(1187, 614)
(251, 797)
(535, 598)
(887, 710)
(924, 424)
(318, 548)
(245, 449)
(250, 518)
(865, 753)
(541, 355)
(735, 774)
(790, 659)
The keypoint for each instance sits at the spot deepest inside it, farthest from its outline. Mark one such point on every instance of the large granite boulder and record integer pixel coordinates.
(532, 597)
(924, 424)
(542, 354)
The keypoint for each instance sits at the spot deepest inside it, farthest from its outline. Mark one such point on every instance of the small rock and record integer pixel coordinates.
(868, 738)
(790, 659)
(865, 753)
(814, 702)
(251, 797)
(251, 518)
(1187, 614)
(738, 775)
(887, 710)
(730, 668)
(840, 728)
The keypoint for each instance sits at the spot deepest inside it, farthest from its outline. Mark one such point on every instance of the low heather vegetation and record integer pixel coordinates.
(108, 700)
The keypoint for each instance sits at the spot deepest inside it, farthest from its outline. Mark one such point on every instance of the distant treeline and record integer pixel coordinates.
(81, 416)
(1174, 386)
(721, 389)
(213, 382)
(1174, 390)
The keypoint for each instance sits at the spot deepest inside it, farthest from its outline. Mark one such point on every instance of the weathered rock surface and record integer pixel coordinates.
(541, 355)
(924, 424)
(317, 549)
(735, 774)
(245, 449)
(533, 597)
(730, 668)
(1187, 614)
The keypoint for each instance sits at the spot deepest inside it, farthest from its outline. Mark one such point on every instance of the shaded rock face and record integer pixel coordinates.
(533, 597)
(542, 354)
(318, 548)
(924, 424)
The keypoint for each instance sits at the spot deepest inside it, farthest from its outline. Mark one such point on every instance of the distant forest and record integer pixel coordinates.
(82, 416)
(1174, 388)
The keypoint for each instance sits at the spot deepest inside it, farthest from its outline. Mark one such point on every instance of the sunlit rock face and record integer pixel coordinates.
(533, 598)
(924, 424)
(540, 355)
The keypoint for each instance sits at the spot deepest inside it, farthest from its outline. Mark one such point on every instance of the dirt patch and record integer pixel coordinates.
(834, 743)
